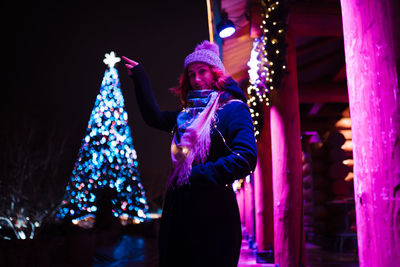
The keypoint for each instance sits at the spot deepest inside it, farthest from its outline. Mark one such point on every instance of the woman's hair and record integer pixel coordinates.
(184, 85)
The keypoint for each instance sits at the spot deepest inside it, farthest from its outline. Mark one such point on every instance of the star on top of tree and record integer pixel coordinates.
(111, 59)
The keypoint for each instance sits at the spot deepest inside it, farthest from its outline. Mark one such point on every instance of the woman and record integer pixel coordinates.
(213, 144)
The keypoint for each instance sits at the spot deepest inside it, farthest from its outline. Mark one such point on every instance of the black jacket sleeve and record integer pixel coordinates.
(243, 157)
(162, 120)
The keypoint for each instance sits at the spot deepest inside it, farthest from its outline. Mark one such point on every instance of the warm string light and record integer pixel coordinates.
(267, 60)
(106, 160)
(237, 185)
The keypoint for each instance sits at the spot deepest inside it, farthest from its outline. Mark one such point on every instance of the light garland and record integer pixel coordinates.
(267, 63)
(237, 185)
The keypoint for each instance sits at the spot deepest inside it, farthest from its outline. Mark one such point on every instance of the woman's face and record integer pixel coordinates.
(200, 76)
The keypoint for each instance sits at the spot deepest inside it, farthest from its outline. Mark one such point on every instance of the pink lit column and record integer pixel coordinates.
(371, 38)
(286, 167)
(249, 208)
(240, 201)
(264, 215)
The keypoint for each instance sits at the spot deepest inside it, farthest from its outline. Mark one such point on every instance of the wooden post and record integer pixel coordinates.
(372, 48)
(286, 166)
(249, 209)
(263, 200)
(240, 201)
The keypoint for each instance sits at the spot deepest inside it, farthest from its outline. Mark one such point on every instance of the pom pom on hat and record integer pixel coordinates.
(209, 46)
(205, 52)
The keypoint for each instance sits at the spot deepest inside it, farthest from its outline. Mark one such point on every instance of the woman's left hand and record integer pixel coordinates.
(130, 64)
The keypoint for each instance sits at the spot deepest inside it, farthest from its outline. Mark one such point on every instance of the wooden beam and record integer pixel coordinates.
(340, 75)
(236, 52)
(240, 75)
(315, 19)
(255, 18)
(321, 125)
(315, 109)
(323, 115)
(314, 44)
(326, 59)
(323, 93)
(210, 21)
(328, 110)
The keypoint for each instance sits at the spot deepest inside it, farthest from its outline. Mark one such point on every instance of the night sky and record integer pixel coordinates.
(54, 67)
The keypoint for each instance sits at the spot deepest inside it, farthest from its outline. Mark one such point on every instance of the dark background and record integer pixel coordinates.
(53, 64)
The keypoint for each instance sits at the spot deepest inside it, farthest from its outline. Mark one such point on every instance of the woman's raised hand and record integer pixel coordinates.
(130, 64)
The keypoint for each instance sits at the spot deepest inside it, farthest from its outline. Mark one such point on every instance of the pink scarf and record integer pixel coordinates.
(194, 143)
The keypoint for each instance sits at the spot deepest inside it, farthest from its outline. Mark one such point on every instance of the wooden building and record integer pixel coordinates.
(328, 153)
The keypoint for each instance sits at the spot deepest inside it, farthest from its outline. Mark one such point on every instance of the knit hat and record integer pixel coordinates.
(205, 52)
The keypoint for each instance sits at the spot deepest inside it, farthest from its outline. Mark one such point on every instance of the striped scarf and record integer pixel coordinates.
(191, 142)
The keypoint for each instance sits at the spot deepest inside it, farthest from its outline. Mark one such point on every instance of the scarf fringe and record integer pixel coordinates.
(194, 144)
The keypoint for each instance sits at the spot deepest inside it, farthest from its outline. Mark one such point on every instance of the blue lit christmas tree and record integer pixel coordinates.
(107, 160)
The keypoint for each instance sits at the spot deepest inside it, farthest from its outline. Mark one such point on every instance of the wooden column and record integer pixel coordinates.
(240, 201)
(249, 209)
(371, 39)
(263, 200)
(286, 166)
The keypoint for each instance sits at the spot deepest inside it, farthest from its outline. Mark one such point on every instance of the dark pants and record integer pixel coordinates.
(200, 226)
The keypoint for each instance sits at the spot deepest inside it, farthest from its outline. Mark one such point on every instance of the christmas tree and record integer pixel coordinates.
(107, 165)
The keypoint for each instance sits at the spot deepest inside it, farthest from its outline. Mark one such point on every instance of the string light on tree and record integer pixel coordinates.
(267, 63)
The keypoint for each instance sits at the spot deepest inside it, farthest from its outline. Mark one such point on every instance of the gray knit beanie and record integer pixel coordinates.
(205, 52)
